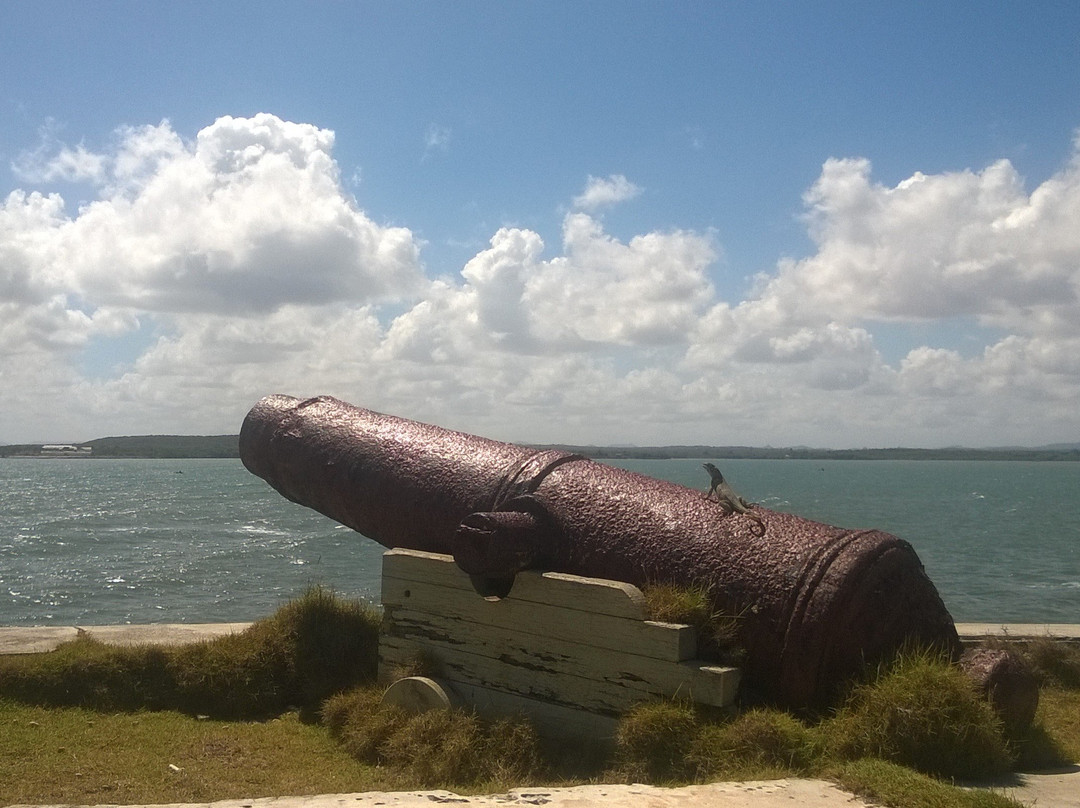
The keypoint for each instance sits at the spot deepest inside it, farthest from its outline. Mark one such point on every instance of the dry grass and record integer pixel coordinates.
(1055, 663)
(923, 713)
(436, 748)
(654, 743)
(690, 605)
(896, 786)
(311, 648)
(755, 741)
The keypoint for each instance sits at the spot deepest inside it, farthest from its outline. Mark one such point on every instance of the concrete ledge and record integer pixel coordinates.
(974, 632)
(35, 639)
(39, 639)
(754, 794)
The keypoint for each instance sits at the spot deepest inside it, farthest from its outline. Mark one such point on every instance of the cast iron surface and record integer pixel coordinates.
(815, 602)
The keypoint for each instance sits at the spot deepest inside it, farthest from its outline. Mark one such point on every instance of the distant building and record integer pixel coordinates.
(66, 450)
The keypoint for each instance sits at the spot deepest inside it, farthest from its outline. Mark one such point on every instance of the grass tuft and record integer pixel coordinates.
(332, 644)
(759, 739)
(360, 724)
(434, 748)
(892, 785)
(924, 713)
(690, 605)
(1054, 663)
(654, 742)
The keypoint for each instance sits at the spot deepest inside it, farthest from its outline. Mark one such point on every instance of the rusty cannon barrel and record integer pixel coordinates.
(815, 603)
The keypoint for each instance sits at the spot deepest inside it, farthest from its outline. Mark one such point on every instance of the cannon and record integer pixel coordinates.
(813, 603)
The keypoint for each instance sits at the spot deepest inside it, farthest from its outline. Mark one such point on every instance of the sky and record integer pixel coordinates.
(829, 224)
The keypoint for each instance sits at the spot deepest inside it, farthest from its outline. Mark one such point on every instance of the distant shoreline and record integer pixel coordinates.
(227, 446)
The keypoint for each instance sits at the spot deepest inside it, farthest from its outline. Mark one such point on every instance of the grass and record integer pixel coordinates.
(290, 707)
(80, 756)
(654, 741)
(313, 647)
(1055, 663)
(922, 713)
(893, 785)
(691, 605)
(1060, 710)
(436, 748)
(755, 741)
(899, 739)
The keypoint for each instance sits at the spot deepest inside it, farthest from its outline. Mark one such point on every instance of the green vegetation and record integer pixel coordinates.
(923, 713)
(692, 606)
(167, 446)
(1067, 452)
(755, 741)
(1054, 663)
(85, 757)
(177, 446)
(310, 649)
(290, 706)
(143, 446)
(895, 786)
(436, 748)
(653, 743)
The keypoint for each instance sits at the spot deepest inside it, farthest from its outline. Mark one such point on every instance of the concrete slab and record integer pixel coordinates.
(973, 632)
(1056, 789)
(35, 639)
(162, 633)
(762, 794)
(39, 639)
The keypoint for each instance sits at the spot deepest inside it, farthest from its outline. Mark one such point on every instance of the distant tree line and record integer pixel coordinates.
(176, 446)
(146, 446)
(805, 453)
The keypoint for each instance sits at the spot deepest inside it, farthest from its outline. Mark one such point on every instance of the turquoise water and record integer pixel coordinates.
(113, 541)
(146, 541)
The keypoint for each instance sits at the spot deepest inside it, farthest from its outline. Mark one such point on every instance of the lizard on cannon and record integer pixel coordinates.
(729, 500)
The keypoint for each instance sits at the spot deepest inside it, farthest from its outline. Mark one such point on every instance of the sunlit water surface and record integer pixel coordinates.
(92, 542)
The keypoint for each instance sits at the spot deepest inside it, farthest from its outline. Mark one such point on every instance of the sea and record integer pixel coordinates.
(111, 541)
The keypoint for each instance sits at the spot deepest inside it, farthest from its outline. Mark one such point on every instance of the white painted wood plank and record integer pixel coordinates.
(550, 678)
(458, 665)
(659, 640)
(577, 646)
(590, 594)
(583, 659)
(593, 595)
(550, 720)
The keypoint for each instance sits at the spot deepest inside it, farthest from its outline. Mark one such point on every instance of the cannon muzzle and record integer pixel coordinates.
(815, 603)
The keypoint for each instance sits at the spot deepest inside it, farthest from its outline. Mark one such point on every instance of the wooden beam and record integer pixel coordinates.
(572, 653)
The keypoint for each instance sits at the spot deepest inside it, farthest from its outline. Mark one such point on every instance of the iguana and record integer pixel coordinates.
(729, 500)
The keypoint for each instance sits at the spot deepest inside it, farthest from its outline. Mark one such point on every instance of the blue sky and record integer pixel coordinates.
(835, 224)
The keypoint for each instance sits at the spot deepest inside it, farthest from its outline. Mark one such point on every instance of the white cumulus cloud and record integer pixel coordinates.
(602, 192)
(232, 264)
